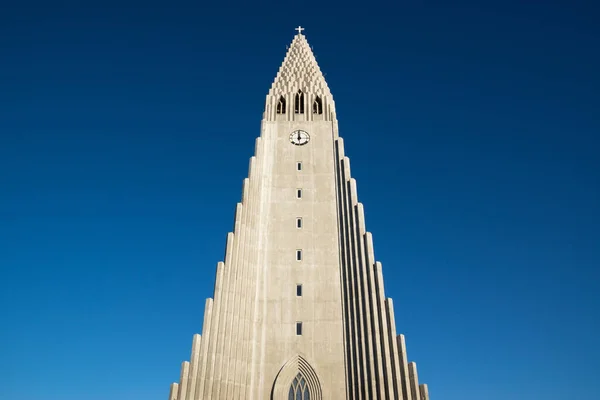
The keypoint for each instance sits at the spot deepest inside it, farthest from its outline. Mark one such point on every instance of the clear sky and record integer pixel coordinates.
(473, 130)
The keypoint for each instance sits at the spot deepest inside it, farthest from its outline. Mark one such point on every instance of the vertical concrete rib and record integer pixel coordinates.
(251, 271)
(406, 393)
(414, 380)
(174, 391)
(378, 297)
(225, 328)
(247, 269)
(194, 364)
(217, 331)
(359, 285)
(263, 263)
(345, 276)
(370, 333)
(183, 380)
(354, 316)
(373, 305)
(377, 312)
(257, 176)
(207, 332)
(391, 339)
(239, 300)
(424, 391)
(231, 336)
(236, 312)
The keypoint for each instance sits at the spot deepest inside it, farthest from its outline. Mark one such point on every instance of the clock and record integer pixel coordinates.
(299, 138)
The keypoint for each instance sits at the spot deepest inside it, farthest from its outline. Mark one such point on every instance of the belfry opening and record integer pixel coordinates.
(317, 106)
(299, 102)
(281, 105)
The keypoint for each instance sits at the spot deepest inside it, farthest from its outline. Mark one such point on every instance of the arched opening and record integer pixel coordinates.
(299, 102)
(299, 389)
(281, 105)
(317, 106)
(296, 380)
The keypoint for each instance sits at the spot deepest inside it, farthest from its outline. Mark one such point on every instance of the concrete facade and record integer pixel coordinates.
(299, 310)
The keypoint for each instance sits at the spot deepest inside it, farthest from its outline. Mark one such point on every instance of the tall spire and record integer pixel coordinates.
(300, 73)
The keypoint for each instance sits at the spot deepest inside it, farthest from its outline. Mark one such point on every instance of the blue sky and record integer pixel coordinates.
(125, 133)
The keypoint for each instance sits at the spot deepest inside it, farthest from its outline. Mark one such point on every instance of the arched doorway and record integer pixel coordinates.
(296, 380)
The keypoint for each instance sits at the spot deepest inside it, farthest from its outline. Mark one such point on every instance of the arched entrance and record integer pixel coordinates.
(296, 380)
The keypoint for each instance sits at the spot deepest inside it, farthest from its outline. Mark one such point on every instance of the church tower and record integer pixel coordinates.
(299, 311)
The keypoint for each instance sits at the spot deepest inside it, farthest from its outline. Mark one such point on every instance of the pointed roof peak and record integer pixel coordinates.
(299, 70)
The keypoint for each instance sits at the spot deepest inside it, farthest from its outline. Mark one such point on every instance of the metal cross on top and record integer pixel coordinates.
(300, 29)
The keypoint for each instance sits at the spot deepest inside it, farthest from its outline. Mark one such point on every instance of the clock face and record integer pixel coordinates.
(299, 138)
